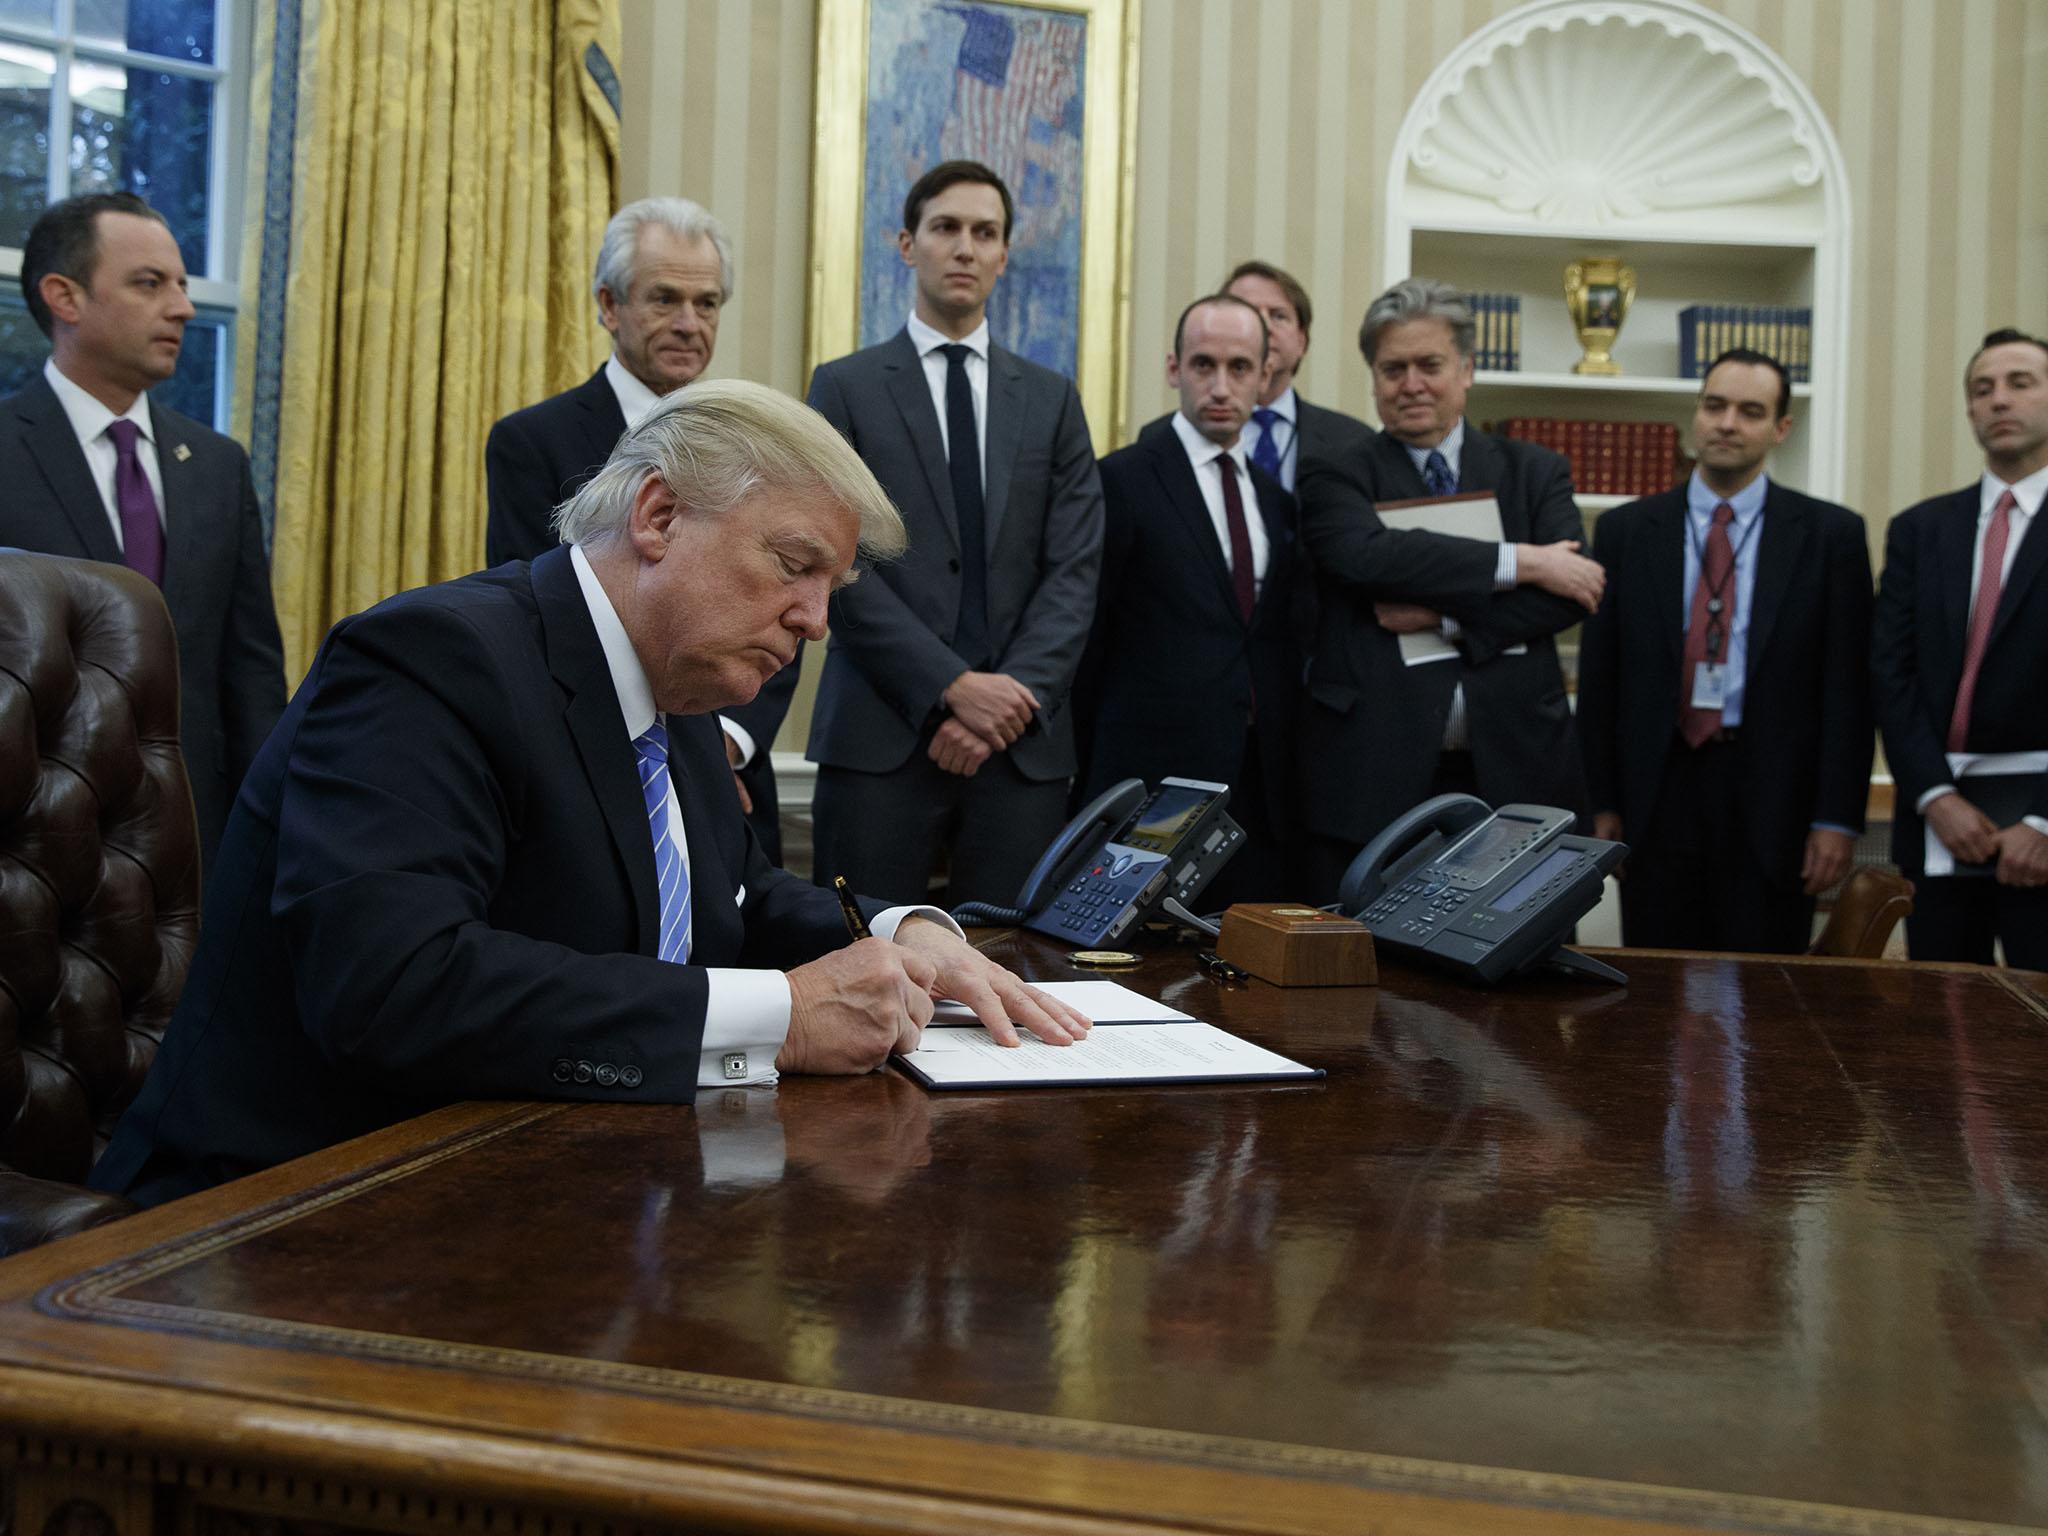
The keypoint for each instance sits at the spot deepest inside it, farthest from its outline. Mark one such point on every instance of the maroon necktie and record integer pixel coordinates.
(1713, 603)
(1990, 576)
(142, 530)
(1242, 580)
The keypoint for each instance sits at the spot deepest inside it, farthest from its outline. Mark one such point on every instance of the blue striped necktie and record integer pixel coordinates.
(670, 875)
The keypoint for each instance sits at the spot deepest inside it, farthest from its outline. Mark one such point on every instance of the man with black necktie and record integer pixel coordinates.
(95, 469)
(1724, 686)
(942, 722)
(1379, 736)
(1960, 660)
(1286, 429)
(1192, 667)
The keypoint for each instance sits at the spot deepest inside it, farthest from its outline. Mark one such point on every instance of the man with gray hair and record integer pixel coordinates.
(664, 276)
(1379, 736)
(492, 849)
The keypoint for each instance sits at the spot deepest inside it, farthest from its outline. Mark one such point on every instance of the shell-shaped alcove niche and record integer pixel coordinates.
(1600, 116)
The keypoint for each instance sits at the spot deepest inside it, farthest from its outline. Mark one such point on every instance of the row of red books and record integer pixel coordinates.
(1608, 458)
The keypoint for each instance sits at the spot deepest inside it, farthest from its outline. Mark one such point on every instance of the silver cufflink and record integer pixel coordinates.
(736, 1064)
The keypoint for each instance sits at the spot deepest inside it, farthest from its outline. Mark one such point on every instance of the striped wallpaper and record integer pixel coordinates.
(1264, 128)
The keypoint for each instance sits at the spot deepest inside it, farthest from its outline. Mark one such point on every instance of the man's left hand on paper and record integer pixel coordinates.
(1000, 999)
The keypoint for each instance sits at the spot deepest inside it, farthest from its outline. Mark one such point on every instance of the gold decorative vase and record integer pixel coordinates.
(1598, 292)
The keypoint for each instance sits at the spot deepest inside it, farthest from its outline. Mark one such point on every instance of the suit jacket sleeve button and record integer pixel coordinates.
(953, 566)
(629, 1077)
(607, 1075)
(584, 1072)
(564, 1069)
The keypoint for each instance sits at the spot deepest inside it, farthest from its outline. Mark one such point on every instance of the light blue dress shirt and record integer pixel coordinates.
(1745, 534)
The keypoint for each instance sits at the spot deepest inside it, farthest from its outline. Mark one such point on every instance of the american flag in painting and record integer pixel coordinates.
(1010, 75)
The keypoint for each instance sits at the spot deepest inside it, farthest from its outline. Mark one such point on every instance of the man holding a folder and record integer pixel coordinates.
(1463, 545)
(1961, 651)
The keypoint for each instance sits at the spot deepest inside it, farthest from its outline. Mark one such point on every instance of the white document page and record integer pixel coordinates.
(1462, 517)
(1105, 1002)
(1187, 1051)
(1936, 859)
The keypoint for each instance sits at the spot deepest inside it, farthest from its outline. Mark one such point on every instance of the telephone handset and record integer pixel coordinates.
(1485, 893)
(1127, 851)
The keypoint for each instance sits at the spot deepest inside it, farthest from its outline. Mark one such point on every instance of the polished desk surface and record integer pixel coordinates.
(1753, 1244)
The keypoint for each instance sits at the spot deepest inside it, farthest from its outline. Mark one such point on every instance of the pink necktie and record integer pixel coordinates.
(1990, 576)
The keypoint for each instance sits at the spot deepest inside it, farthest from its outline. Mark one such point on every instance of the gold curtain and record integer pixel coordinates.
(423, 243)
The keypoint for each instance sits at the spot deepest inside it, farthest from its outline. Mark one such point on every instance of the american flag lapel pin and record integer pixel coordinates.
(181, 453)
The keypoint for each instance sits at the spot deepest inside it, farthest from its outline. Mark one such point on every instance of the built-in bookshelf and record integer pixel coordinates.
(1539, 141)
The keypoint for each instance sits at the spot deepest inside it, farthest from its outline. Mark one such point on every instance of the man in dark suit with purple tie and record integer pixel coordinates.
(1191, 667)
(1961, 668)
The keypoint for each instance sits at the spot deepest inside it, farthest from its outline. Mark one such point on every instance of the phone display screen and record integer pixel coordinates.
(1517, 895)
(1487, 848)
(1167, 819)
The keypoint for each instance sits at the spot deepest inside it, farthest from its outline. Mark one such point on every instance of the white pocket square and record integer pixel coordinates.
(740, 897)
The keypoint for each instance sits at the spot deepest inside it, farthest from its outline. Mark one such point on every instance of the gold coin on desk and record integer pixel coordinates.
(1103, 959)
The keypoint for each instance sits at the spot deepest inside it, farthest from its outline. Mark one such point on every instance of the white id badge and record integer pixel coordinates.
(1710, 685)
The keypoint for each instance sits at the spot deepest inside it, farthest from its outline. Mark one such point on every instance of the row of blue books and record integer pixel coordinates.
(1705, 331)
(1498, 317)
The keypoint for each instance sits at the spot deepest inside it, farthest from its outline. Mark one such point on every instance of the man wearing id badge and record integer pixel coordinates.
(1961, 656)
(1723, 686)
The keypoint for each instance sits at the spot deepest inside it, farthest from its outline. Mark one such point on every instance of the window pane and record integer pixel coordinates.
(150, 134)
(30, 13)
(181, 29)
(25, 78)
(22, 347)
(190, 389)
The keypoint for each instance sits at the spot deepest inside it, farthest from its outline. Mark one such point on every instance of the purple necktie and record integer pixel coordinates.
(142, 531)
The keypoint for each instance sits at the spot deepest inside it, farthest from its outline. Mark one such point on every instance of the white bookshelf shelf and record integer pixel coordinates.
(1595, 384)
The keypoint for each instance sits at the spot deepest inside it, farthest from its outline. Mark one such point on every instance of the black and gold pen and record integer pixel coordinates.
(855, 923)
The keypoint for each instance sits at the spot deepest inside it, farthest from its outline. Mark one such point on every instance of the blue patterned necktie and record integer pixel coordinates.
(670, 876)
(1436, 474)
(1267, 455)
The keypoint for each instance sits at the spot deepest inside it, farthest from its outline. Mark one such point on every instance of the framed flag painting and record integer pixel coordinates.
(1040, 92)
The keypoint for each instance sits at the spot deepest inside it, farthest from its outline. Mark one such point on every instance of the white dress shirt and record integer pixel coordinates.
(745, 1011)
(928, 342)
(1211, 464)
(90, 420)
(2027, 496)
(635, 398)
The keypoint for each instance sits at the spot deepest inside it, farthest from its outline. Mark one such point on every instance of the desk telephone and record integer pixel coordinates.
(1118, 861)
(1481, 892)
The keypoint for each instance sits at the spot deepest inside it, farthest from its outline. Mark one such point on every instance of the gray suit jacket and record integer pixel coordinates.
(216, 574)
(891, 659)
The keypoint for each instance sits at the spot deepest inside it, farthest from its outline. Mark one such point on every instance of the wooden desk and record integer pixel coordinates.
(1756, 1245)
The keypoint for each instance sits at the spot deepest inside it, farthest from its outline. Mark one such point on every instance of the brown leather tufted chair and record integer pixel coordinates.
(1867, 908)
(99, 875)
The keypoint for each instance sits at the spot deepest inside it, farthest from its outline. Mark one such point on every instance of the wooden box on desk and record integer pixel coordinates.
(1295, 946)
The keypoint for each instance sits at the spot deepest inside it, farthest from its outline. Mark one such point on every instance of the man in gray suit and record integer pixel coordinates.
(941, 722)
(1286, 429)
(94, 468)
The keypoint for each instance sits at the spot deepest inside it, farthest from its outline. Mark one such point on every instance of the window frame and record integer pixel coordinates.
(218, 297)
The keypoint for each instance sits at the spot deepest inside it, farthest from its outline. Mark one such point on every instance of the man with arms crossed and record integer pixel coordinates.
(1961, 667)
(1724, 686)
(942, 721)
(492, 850)
(664, 277)
(1285, 429)
(1378, 736)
